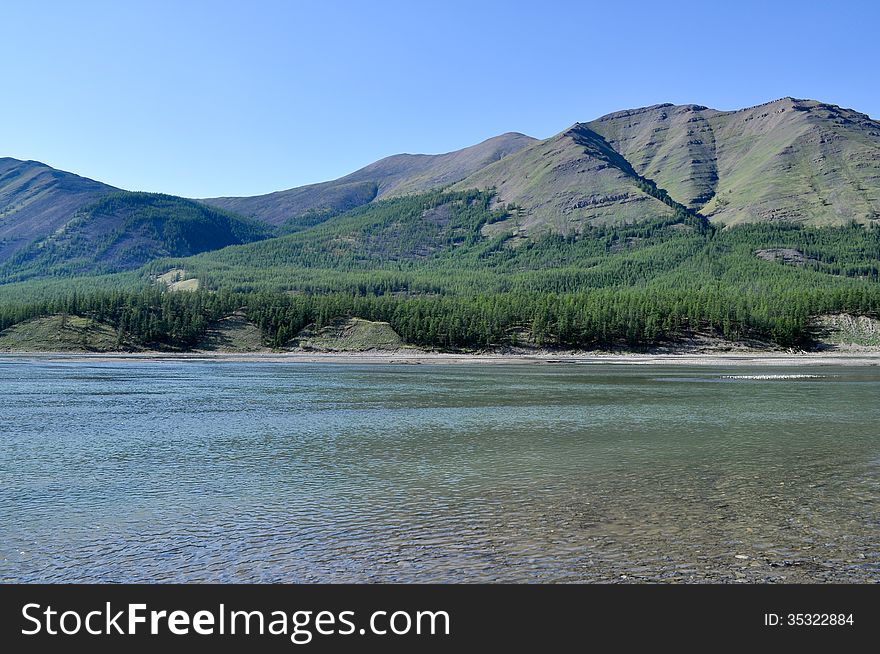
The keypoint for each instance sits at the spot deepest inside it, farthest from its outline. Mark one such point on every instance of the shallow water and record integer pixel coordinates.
(295, 472)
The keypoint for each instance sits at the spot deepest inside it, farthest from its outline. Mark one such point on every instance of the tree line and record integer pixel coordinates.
(598, 318)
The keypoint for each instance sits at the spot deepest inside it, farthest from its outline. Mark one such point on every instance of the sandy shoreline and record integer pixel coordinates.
(858, 358)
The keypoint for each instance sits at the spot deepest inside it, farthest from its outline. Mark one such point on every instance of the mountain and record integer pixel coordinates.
(56, 222)
(124, 230)
(789, 160)
(642, 229)
(566, 181)
(36, 200)
(393, 176)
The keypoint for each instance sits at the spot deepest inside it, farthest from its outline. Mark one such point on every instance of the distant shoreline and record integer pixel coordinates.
(858, 358)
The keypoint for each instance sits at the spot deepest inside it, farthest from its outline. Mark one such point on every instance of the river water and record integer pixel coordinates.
(140, 471)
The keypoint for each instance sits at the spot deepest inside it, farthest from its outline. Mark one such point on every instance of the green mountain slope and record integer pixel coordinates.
(35, 200)
(441, 242)
(792, 160)
(672, 145)
(573, 179)
(799, 161)
(789, 160)
(124, 230)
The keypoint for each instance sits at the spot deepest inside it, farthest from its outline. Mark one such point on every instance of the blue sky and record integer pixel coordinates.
(240, 98)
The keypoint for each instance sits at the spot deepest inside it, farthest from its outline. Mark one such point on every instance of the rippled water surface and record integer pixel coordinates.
(294, 472)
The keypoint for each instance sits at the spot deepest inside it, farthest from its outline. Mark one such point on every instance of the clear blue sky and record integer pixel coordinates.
(240, 98)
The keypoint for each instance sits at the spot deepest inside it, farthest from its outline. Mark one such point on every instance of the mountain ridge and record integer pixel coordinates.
(789, 160)
(781, 160)
(397, 174)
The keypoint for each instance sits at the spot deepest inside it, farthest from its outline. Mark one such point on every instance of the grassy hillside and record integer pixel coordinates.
(348, 335)
(566, 182)
(304, 206)
(63, 333)
(796, 160)
(792, 161)
(787, 160)
(124, 230)
(233, 333)
(672, 145)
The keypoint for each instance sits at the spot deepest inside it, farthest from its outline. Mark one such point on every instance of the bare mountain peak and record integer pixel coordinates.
(625, 113)
(787, 102)
(803, 105)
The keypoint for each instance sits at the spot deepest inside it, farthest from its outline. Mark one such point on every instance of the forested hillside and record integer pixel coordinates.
(125, 230)
(425, 265)
(36, 200)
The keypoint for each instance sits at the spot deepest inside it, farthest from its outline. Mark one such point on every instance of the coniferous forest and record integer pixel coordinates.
(447, 271)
